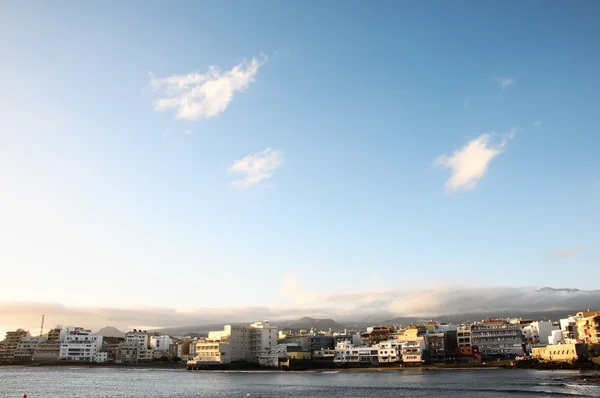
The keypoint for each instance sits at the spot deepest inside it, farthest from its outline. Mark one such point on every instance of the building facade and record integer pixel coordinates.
(588, 328)
(559, 352)
(80, 345)
(47, 351)
(11, 342)
(498, 338)
(26, 349)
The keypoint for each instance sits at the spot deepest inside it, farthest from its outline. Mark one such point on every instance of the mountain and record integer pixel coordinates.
(307, 323)
(110, 331)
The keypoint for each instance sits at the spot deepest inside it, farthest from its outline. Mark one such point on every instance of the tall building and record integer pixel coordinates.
(235, 343)
(498, 338)
(11, 342)
(80, 345)
(136, 347)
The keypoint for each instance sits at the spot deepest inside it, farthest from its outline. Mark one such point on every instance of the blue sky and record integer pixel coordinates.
(368, 111)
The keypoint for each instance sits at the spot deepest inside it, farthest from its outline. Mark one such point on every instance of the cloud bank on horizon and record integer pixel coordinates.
(374, 306)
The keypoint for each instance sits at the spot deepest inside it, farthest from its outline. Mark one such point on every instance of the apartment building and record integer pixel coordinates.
(498, 338)
(347, 354)
(25, 349)
(435, 346)
(390, 351)
(47, 351)
(80, 345)
(57, 334)
(236, 343)
(11, 342)
(588, 327)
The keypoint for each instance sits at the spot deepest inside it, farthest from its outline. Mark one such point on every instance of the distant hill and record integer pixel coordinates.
(307, 323)
(110, 331)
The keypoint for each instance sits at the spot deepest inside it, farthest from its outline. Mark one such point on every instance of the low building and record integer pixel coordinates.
(47, 351)
(100, 357)
(26, 349)
(347, 354)
(212, 352)
(559, 352)
(80, 345)
(310, 342)
(11, 342)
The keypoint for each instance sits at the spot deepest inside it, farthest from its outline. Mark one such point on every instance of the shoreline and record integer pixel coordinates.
(183, 367)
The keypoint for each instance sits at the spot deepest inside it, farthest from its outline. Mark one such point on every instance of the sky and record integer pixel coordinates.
(219, 159)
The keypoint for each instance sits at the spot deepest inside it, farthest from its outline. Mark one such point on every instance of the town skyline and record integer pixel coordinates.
(199, 161)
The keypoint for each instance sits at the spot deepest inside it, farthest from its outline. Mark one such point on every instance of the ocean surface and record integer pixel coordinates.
(129, 382)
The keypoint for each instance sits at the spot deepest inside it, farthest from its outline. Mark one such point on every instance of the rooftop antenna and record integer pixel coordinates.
(42, 327)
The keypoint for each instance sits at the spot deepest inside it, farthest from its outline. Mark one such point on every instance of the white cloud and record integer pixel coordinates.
(470, 163)
(506, 82)
(198, 96)
(187, 131)
(257, 167)
(375, 277)
(567, 253)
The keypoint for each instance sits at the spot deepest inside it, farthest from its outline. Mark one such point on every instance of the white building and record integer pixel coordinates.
(349, 354)
(568, 326)
(390, 351)
(160, 343)
(236, 343)
(556, 337)
(138, 337)
(80, 345)
(538, 332)
(412, 351)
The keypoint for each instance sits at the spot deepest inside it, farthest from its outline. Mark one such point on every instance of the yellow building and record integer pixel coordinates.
(559, 352)
(54, 334)
(588, 327)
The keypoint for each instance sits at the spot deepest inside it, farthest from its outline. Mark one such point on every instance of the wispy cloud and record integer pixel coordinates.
(469, 164)
(537, 123)
(567, 253)
(257, 167)
(466, 104)
(506, 82)
(198, 96)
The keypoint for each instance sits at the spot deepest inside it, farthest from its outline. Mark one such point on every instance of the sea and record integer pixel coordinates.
(47, 382)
